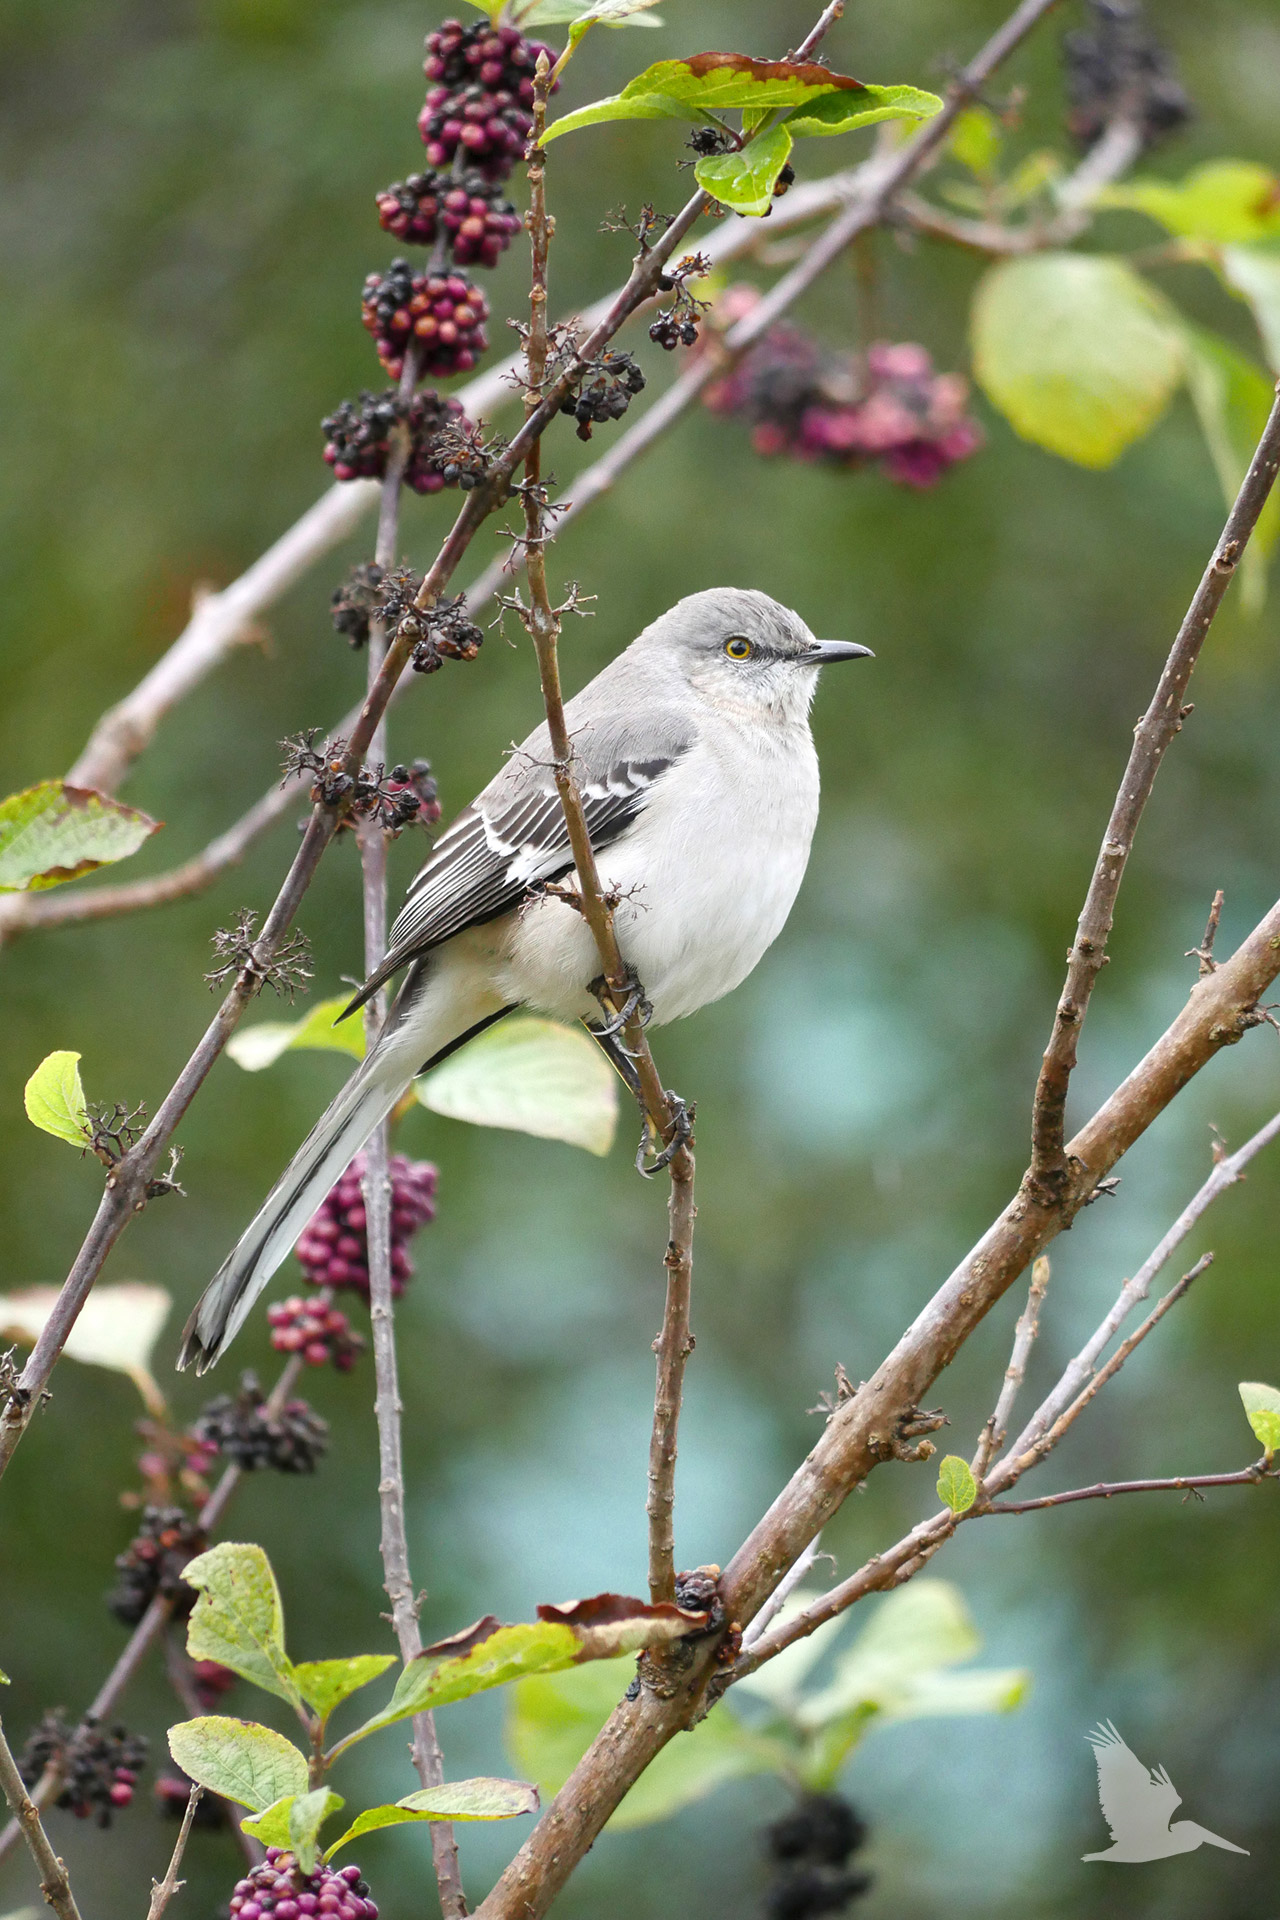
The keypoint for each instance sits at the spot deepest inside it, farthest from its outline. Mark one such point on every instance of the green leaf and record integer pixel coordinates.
(1224, 200)
(117, 1327)
(5, 1681)
(607, 13)
(1254, 274)
(306, 1817)
(975, 139)
(1233, 399)
(54, 1099)
(709, 83)
(238, 1619)
(479, 1799)
(325, 1684)
(533, 1076)
(1077, 352)
(53, 833)
(745, 180)
(242, 1761)
(1262, 1410)
(842, 112)
(915, 1631)
(271, 1826)
(256, 1047)
(956, 1488)
(490, 1655)
(492, 9)
(552, 1720)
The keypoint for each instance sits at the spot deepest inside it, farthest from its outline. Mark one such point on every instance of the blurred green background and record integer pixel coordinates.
(186, 218)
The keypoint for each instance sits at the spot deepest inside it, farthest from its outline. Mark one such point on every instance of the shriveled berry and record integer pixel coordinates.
(152, 1564)
(247, 1432)
(358, 437)
(1117, 69)
(98, 1770)
(605, 393)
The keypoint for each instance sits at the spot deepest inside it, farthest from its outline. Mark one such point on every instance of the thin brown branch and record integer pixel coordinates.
(1051, 1172)
(162, 1891)
(1107, 1490)
(996, 1431)
(54, 1884)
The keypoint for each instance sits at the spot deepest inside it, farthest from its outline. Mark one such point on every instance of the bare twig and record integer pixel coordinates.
(782, 1593)
(1107, 1490)
(996, 1431)
(162, 1891)
(1105, 161)
(54, 1884)
(1204, 952)
(1050, 1172)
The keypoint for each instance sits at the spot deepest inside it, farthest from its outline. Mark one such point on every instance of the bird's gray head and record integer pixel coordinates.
(739, 648)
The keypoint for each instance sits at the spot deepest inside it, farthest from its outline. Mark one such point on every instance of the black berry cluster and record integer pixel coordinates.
(358, 437)
(247, 1433)
(99, 1770)
(443, 312)
(318, 1333)
(480, 94)
(448, 634)
(418, 781)
(334, 1248)
(810, 1849)
(152, 1564)
(279, 1890)
(477, 222)
(887, 406)
(1117, 69)
(607, 390)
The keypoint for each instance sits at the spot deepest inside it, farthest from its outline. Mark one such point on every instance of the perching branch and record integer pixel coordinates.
(1051, 1172)
(996, 1431)
(1106, 1490)
(54, 1884)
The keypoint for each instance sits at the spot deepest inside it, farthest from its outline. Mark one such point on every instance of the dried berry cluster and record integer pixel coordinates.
(481, 91)
(99, 1770)
(152, 1564)
(888, 406)
(279, 1889)
(245, 1431)
(1117, 69)
(608, 386)
(318, 1333)
(447, 634)
(334, 1249)
(478, 223)
(358, 437)
(810, 1848)
(443, 312)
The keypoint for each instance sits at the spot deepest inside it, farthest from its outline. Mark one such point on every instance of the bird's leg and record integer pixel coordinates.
(680, 1131)
(619, 1057)
(635, 1003)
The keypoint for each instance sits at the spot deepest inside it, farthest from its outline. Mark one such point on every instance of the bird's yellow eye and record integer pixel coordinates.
(738, 648)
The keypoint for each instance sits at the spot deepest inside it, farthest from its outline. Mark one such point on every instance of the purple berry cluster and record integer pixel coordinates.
(99, 1770)
(358, 437)
(481, 89)
(888, 407)
(152, 1564)
(478, 223)
(443, 312)
(279, 1890)
(334, 1248)
(320, 1334)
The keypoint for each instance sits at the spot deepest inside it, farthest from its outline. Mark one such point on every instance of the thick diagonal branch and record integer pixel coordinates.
(54, 1884)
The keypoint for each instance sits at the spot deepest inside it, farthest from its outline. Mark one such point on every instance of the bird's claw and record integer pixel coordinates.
(677, 1134)
(635, 1003)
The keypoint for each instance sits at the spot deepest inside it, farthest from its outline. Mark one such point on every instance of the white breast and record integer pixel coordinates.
(707, 876)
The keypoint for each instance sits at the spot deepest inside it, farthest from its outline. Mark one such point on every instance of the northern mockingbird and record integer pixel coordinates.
(699, 779)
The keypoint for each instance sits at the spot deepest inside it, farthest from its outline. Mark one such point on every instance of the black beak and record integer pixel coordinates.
(824, 653)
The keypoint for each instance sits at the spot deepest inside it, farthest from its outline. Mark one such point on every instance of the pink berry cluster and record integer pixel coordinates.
(888, 406)
(320, 1334)
(478, 223)
(444, 312)
(358, 437)
(279, 1890)
(480, 94)
(334, 1248)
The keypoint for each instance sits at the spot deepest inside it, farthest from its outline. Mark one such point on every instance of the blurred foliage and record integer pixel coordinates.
(186, 221)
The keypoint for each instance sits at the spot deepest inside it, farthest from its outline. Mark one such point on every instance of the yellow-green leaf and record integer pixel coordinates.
(1233, 399)
(256, 1047)
(455, 1800)
(533, 1076)
(956, 1488)
(1223, 200)
(745, 180)
(711, 83)
(117, 1327)
(271, 1826)
(1254, 274)
(306, 1817)
(1262, 1410)
(324, 1684)
(52, 833)
(54, 1099)
(238, 1619)
(244, 1762)
(844, 112)
(1077, 352)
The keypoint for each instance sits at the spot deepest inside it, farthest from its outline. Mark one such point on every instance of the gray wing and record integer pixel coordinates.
(513, 837)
